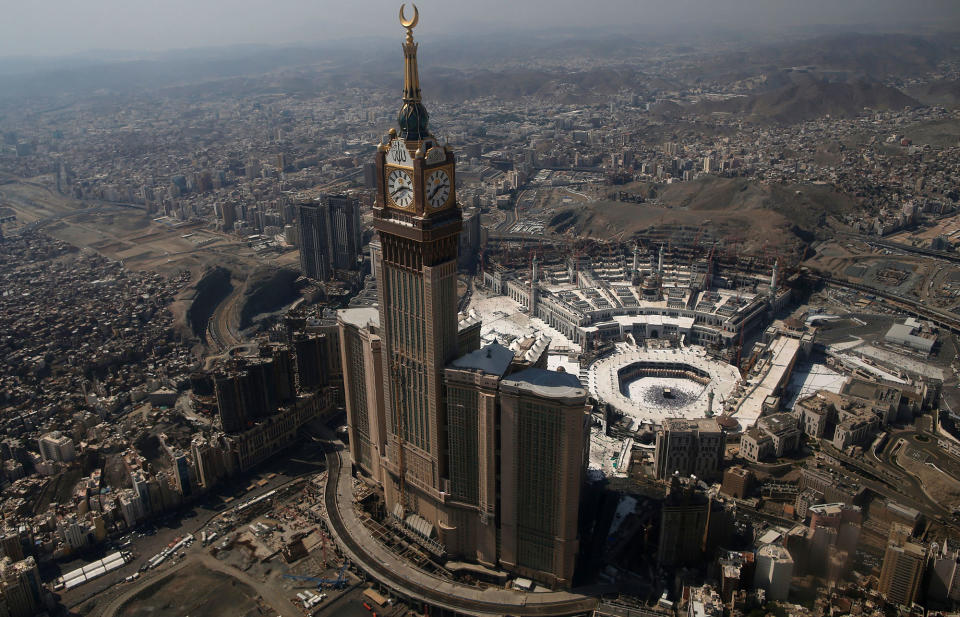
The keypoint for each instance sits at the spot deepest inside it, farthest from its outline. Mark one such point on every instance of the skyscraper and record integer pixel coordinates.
(475, 462)
(418, 221)
(904, 563)
(473, 420)
(329, 233)
(774, 571)
(363, 387)
(311, 364)
(544, 437)
(683, 524)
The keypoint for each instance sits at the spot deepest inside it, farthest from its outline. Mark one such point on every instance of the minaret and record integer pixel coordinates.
(533, 288)
(773, 279)
(660, 262)
(636, 264)
(418, 222)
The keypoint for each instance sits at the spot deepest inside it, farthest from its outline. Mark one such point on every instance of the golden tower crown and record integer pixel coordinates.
(413, 116)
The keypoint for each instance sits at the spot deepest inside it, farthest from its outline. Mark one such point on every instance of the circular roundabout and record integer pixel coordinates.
(649, 385)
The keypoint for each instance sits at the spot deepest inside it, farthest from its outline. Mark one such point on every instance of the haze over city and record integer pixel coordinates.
(69, 27)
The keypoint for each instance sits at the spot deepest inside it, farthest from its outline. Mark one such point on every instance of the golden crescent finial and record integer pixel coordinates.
(409, 24)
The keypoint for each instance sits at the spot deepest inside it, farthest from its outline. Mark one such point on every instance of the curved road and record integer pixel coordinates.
(220, 331)
(442, 593)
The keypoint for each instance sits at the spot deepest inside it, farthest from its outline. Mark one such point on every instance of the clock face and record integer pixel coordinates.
(400, 187)
(438, 189)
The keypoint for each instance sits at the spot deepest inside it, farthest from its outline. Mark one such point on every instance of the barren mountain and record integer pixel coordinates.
(809, 97)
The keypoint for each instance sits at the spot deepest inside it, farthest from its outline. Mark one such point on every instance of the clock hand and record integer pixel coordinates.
(437, 189)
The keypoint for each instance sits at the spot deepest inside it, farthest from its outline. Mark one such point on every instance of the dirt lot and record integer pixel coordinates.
(195, 590)
(935, 481)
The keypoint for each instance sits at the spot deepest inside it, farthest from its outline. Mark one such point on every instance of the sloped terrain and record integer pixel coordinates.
(808, 97)
(944, 92)
(732, 207)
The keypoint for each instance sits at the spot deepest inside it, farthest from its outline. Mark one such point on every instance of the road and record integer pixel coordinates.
(905, 248)
(303, 461)
(894, 482)
(416, 584)
(943, 319)
(220, 329)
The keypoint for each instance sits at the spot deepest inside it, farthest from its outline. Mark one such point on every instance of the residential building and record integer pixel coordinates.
(904, 563)
(360, 346)
(56, 446)
(774, 571)
(544, 441)
(329, 235)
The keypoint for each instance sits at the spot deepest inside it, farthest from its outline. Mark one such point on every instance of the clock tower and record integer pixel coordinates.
(418, 221)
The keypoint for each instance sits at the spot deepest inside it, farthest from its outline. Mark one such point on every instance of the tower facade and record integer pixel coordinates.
(476, 462)
(418, 222)
(544, 445)
(363, 387)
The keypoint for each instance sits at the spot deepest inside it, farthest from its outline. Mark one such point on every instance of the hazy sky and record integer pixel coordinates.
(58, 27)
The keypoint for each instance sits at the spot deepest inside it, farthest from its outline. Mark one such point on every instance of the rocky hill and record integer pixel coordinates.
(808, 97)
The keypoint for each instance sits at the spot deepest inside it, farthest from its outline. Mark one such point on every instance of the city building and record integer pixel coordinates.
(770, 438)
(689, 447)
(362, 361)
(311, 359)
(913, 335)
(904, 564)
(774, 571)
(21, 592)
(684, 522)
(56, 446)
(481, 455)
(737, 482)
(330, 236)
(704, 602)
(843, 420)
(544, 439)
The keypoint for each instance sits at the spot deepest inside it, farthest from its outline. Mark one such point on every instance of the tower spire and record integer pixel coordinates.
(413, 115)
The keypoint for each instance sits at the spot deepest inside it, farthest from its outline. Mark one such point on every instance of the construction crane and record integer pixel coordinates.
(336, 583)
(751, 362)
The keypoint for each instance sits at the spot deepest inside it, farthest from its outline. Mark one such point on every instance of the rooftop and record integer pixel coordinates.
(493, 359)
(360, 317)
(547, 383)
(694, 424)
(780, 423)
